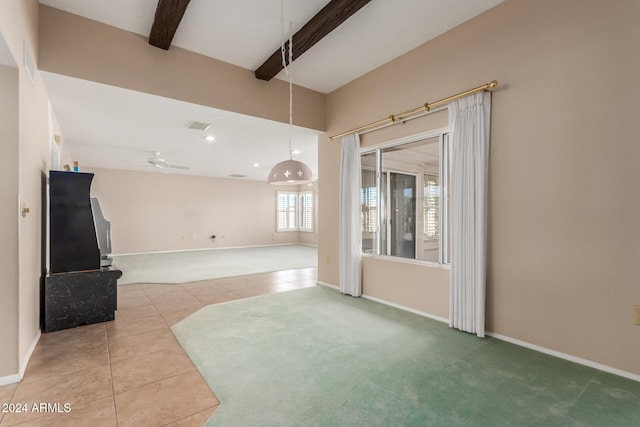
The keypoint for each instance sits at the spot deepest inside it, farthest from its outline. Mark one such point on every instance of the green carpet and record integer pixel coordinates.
(314, 357)
(191, 266)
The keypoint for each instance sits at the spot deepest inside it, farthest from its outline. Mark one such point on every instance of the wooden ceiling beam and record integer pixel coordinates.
(168, 15)
(325, 21)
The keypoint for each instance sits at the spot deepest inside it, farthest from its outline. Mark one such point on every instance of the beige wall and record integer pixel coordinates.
(9, 221)
(164, 212)
(403, 282)
(18, 24)
(34, 163)
(58, 138)
(108, 55)
(564, 239)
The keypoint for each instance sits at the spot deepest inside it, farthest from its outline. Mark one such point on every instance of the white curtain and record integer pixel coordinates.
(470, 125)
(350, 208)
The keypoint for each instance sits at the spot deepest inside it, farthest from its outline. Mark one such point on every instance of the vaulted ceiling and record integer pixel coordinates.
(245, 33)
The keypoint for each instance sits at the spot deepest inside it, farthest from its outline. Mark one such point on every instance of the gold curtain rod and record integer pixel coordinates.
(416, 112)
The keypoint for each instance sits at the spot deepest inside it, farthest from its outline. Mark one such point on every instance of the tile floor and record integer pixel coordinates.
(132, 371)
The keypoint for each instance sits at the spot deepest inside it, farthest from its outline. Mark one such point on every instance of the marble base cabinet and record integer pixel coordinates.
(77, 290)
(79, 298)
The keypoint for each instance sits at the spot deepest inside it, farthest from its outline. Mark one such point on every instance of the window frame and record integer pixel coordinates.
(302, 226)
(299, 209)
(443, 135)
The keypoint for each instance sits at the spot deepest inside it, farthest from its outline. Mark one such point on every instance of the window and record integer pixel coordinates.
(431, 206)
(295, 211)
(306, 211)
(403, 186)
(369, 202)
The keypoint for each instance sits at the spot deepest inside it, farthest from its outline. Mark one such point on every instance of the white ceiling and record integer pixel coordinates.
(118, 128)
(244, 33)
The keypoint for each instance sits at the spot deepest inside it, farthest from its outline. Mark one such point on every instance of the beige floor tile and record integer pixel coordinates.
(179, 296)
(229, 281)
(142, 344)
(121, 329)
(217, 298)
(74, 389)
(195, 420)
(283, 275)
(311, 271)
(65, 337)
(131, 293)
(252, 292)
(173, 317)
(297, 275)
(204, 289)
(132, 287)
(259, 278)
(158, 403)
(170, 306)
(135, 372)
(6, 392)
(168, 289)
(137, 355)
(261, 284)
(72, 340)
(213, 284)
(305, 283)
(285, 286)
(99, 413)
(58, 360)
(242, 288)
(134, 301)
(128, 314)
(24, 416)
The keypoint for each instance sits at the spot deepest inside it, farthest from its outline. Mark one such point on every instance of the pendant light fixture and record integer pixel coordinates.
(289, 172)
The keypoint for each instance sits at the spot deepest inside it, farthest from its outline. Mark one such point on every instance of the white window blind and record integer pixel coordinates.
(295, 211)
(431, 207)
(306, 211)
(369, 215)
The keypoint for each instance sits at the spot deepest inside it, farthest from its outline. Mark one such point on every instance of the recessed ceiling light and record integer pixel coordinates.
(296, 151)
(198, 125)
(255, 165)
(208, 134)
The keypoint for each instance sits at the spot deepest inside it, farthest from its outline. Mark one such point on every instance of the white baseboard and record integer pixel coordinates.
(27, 357)
(569, 357)
(9, 379)
(209, 249)
(329, 285)
(409, 309)
(565, 356)
(401, 307)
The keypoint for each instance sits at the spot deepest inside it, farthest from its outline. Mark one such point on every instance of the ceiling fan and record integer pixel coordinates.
(158, 162)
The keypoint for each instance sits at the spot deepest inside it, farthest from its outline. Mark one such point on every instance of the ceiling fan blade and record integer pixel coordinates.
(177, 167)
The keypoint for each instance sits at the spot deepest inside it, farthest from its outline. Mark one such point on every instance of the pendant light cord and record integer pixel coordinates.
(287, 71)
